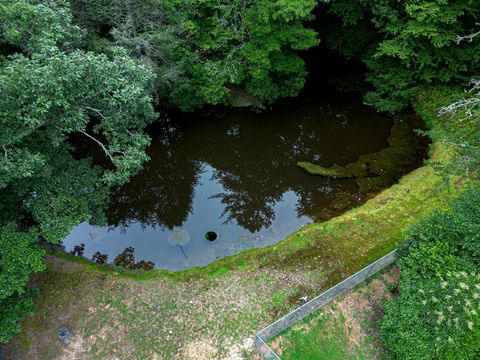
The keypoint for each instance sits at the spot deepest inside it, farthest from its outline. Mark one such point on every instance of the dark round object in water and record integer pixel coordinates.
(211, 236)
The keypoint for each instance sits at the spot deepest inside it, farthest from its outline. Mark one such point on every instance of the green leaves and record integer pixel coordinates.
(434, 319)
(18, 258)
(64, 194)
(293, 10)
(17, 164)
(200, 49)
(274, 69)
(52, 93)
(37, 25)
(410, 42)
(445, 234)
(61, 94)
(436, 314)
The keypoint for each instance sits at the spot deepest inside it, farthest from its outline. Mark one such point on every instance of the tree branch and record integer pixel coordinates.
(467, 37)
(99, 143)
(95, 110)
(469, 104)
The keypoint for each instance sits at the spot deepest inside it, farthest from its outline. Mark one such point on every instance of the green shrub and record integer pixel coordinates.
(435, 319)
(12, 310)
(431, 258)
(436, 315)
(446, 241)
(466, 225)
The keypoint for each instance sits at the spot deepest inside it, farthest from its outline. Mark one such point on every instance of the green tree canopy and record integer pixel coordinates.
(200, 49)
(406, 43)
(51, 91)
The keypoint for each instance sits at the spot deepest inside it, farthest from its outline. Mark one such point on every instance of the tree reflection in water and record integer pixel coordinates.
(161, 194)
(254, 157)
(237, 176)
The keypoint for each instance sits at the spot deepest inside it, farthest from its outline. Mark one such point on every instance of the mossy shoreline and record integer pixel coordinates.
(376, 170)
(225, 303)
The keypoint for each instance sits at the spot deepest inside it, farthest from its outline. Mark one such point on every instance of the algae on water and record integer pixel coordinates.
(335, 171)
(376, 170)
(342, 201)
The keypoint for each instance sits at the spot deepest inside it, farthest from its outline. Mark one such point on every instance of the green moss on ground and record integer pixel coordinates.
(217, 309)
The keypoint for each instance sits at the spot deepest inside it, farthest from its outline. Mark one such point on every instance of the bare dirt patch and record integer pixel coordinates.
(113, 316)
(202, 349)
(74, 350)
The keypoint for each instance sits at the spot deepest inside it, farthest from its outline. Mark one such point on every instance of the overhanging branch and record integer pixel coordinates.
(99, 143)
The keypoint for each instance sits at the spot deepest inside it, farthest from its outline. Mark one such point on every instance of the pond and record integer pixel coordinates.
(236, 176)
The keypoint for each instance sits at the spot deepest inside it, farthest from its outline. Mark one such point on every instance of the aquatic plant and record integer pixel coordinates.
(376, 170)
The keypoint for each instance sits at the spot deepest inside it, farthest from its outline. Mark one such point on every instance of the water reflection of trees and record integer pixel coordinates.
(245, 202)
(161, 194)
(256, 166)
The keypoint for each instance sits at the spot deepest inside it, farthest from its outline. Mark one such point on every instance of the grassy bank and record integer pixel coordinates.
(213, 312)
(346, 328)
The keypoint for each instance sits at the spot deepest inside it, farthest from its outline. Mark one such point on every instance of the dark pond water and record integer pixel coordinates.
(237, 176)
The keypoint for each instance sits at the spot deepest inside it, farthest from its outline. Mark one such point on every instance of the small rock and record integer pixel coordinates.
(65, 335)
(248, 343)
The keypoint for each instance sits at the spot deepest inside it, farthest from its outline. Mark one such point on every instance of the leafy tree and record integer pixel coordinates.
(405, 43)
(274, 69)
(34, 25)
(50, 93)
(201, 49)
(148, 30)
(60, 94)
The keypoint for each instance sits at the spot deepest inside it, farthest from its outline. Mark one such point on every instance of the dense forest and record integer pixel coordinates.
(104, 69)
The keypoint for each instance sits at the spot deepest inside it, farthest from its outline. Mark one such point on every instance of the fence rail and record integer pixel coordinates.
(272, 330)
